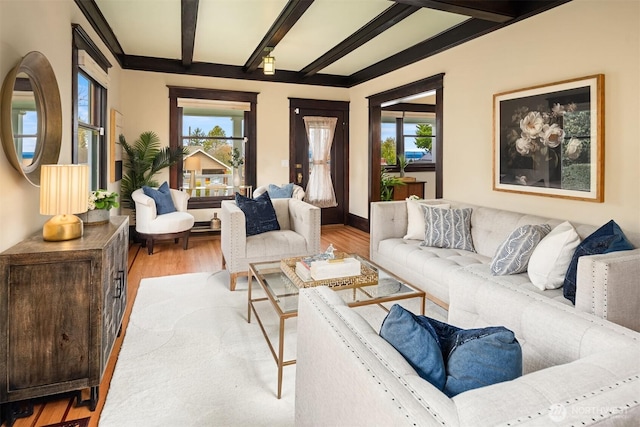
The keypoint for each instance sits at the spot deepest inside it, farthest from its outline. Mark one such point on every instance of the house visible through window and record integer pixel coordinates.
(211, 130)
(213, 125)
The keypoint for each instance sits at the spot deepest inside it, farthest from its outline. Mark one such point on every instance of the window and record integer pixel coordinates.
(24, 116)
(90, 130)
(212, 124)
(408, 133)
(211, 131)
(90, 81)
(402, 99)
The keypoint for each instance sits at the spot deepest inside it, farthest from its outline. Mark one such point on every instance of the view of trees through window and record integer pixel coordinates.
(408, 134)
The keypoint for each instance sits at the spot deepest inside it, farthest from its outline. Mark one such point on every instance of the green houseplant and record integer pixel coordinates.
(144, 159)
(387, 182)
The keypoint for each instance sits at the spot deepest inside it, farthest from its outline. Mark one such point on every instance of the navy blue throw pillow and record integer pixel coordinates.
(162, 197)
(472, 358)
(260, 216)
(608, 238)
(417, 342)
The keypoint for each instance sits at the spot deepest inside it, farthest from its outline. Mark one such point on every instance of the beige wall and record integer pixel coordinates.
(45, 26)
(580, 38)
(145, 100)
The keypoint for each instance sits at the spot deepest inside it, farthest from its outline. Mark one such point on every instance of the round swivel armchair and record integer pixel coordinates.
(151, 226)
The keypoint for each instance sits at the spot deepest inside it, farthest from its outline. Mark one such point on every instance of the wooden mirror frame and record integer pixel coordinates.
(47, 95)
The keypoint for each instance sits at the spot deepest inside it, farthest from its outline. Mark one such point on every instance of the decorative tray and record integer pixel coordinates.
(368, 275)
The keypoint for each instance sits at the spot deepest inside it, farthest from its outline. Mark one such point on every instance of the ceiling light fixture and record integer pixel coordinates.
(269, 63)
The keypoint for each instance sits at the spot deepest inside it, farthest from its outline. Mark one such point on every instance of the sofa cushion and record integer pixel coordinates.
(415, 218)
(417, 342)
(513, 255)
(551, 258)
(448, 228)
(162, 197)
(608, 238)
(284, 192)
(260, 216)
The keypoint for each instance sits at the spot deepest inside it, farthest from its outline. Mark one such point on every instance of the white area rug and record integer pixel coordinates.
(190, 358)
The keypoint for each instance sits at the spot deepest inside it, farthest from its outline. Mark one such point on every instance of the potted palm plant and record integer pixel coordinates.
(144, 159)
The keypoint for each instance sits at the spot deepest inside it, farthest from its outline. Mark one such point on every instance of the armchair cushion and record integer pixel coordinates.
(260, 216)
(162, 197)
(284, 192)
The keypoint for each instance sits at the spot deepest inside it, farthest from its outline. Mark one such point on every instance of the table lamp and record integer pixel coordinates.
(192, 164)
(64, 191)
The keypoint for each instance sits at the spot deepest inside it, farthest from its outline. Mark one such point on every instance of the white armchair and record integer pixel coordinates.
(299, 235)
(150, 226)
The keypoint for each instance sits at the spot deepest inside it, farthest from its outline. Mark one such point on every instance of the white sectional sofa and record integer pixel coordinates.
(578, 369)
(607, 285)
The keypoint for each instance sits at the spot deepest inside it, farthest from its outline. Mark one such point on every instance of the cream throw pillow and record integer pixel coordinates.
(415, 217)
(551, 258)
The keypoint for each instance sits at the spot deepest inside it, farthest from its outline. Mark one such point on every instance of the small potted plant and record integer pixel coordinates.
(99, 204)
(402, 164)
(236, 161)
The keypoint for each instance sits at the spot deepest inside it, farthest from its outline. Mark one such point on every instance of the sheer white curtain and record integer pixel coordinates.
(320, 132)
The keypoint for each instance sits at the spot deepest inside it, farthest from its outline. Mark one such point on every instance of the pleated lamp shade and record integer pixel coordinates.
(64, 191)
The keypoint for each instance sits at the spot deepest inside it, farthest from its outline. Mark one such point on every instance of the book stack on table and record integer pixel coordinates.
(309, 269)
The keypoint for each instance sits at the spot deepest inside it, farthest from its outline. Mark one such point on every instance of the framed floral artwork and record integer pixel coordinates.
(548, 140)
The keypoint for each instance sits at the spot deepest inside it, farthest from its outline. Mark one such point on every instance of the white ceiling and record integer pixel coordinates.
(323, 42)
(228, 31)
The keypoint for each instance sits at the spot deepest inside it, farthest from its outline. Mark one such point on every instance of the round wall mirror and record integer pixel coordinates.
(31, 116)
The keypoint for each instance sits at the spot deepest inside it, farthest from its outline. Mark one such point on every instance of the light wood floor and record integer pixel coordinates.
(204, 255)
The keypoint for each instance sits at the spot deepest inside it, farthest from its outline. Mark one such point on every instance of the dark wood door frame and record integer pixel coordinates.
(316, 104)
(375, 132)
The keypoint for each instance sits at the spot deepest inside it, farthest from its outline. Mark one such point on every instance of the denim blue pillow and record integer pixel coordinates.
(472, 358)
(417, 342)
(608, 238)
(284, 192)
(477, 357)
(259, 214)
(162, 197)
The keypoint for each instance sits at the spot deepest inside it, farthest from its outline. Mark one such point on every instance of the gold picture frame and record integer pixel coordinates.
(115, 150)
(548, 140)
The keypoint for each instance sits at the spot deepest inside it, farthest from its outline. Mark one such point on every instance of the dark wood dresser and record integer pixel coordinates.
(401, 192)
(61, 309)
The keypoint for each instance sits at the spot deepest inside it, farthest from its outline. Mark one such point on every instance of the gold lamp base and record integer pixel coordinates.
(62, 227)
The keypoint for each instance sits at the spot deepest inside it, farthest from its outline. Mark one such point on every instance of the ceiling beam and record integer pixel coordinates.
(373, 28)
(459, 34)
(174, 66)
(293, 10)
(90, 10)
(488, 10)
(189, 19)
(455, 36)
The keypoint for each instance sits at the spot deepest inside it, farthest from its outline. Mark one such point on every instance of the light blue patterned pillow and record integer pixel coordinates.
(448, 228)
(512, 256)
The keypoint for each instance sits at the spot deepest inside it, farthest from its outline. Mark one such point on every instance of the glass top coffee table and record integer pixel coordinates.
(282, 293)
